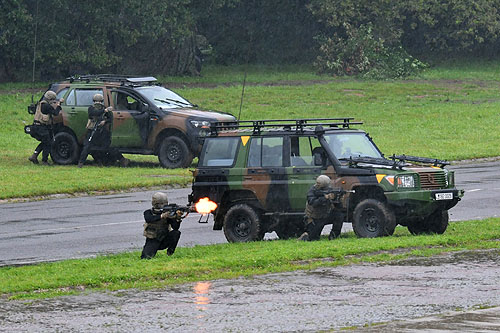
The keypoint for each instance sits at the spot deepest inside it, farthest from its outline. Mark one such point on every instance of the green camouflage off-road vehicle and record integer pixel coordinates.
(259, 174)
(148, 119)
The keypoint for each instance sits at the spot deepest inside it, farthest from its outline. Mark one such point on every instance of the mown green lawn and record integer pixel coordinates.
(449, 112)
(200, 263)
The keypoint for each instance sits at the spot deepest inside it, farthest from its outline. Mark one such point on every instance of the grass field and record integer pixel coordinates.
(200, 263)
(449, 112)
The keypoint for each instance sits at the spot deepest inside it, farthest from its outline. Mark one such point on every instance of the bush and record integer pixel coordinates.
(359, 52)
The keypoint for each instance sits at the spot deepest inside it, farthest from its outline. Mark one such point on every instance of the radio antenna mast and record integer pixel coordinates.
(34, 51)
(242, 93)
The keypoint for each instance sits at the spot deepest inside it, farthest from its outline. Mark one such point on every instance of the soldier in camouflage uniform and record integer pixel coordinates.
(101, 137)
(161, 228)
(48, 107)
(320, 210)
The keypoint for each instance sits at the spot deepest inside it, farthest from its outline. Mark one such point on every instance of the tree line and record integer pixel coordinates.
(378, 38)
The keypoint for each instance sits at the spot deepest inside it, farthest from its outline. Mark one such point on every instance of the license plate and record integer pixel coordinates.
(444, 196)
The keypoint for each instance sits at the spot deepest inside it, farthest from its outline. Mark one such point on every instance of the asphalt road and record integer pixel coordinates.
(79, 227)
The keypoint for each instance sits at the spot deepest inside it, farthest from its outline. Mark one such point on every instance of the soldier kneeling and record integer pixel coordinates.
(320, 210)
(161, 228)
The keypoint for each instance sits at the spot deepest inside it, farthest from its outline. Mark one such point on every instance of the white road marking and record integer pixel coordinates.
(72, 228)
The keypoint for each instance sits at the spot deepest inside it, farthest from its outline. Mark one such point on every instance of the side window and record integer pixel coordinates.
(255, 153)
(125, 102)
(84, 97)
(70, 100)
(61, 93)
(219, 152)
(266, 152)
(301, 150)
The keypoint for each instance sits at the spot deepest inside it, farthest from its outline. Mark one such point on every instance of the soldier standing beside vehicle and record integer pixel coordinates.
(42, 130)
(99, 131)
(161, 228)
(320, 210)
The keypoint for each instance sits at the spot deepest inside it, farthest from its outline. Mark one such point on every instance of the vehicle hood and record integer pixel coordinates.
(201, 114)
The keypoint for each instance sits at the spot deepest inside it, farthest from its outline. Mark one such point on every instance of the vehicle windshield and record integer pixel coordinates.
(164, 98)
(345, 145)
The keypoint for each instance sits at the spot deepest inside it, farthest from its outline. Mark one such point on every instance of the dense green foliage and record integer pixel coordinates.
(363, 54)
(170, 37)
(201, 263)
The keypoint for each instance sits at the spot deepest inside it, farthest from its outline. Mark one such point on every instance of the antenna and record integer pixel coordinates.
(34, 51)
(242, 93)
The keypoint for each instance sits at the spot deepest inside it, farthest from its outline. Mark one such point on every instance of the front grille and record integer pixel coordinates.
(432, 180)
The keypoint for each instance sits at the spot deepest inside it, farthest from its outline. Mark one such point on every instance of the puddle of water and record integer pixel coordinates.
(323, 299)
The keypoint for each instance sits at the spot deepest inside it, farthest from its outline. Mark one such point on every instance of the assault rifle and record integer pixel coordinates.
(338, 191)
(172, 209)
(97, 124)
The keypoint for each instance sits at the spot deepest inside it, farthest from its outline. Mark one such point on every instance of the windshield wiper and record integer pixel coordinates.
(353, 161)
(168, 101)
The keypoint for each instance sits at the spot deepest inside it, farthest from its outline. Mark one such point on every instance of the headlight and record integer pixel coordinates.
(200, 123)
(203, 132)
(406, 181)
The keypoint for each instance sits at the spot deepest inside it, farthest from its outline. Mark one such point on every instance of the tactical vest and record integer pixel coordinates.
(321, 212)
(40, 118)
(93, 121)
(156, 230)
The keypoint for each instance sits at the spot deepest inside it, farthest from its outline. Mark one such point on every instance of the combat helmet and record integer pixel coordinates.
(159, 200)
(322, 181)
(49, 95)
(98, 99)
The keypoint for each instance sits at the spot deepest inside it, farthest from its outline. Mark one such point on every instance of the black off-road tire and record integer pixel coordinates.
(65, 149)
(436, 223)
(242, 224)
(373, 218)
(174, 153)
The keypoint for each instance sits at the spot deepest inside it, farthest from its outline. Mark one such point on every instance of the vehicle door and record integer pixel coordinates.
(301, 169)
(130, 120)
(266, 174)
(75, 109)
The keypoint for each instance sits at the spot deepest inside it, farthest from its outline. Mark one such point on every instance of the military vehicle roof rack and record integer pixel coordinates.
(296, 125)
(123, 79)
(423, 160)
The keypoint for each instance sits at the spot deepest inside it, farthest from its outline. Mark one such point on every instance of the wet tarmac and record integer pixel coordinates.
(418, 294)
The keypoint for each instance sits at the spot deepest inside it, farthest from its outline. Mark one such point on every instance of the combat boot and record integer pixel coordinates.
(304, 237)
(124, 162)
(34, 158)
(46, 163)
